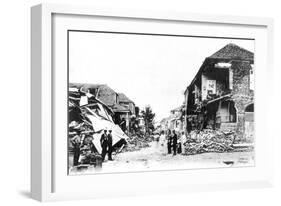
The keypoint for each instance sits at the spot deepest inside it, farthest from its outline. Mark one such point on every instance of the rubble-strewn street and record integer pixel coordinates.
(151, 159)
(211, 126)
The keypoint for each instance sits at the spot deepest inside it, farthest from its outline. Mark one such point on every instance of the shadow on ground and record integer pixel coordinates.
(25, 193)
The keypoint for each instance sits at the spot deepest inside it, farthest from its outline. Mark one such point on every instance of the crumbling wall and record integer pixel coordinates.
(221, 88)
(241, 93)
(221, 85)
(204, 79)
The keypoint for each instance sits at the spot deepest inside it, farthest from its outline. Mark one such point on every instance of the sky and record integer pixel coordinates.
(150, 70)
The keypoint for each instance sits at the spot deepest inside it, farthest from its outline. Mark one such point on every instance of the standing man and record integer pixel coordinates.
(110, 145)
(175, 142)
(104, 144)
(76, 142)
(169, 142)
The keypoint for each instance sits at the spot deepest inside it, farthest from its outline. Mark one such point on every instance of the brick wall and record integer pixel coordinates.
(241, 93)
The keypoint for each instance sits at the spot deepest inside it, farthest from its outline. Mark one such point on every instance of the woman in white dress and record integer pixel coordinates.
(182, 141)
(162, 143)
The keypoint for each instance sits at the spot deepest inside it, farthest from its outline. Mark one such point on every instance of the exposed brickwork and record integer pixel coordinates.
(232, 84)
(241, 93)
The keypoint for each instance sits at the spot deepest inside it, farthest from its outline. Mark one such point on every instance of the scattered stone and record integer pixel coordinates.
(209, 140)
(137, 142)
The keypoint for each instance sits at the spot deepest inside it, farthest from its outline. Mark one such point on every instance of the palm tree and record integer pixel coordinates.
(148, 117)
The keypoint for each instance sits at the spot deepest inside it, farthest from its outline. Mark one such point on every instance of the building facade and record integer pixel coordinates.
(175, 121)
(221, 95)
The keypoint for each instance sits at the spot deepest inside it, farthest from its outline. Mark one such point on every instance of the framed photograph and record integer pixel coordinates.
(135, 102)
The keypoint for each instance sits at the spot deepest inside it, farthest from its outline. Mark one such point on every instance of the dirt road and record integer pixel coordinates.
(150, 158)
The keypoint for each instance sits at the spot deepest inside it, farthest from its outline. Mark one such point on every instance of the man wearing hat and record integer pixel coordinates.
(104, 144)
(110, 145)
(76, 142)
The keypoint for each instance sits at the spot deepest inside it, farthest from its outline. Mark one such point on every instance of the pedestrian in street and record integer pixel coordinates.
(104, 144)
(169, 141)
(175, 142)
(162, 142)
(182, 141)
(156, 138)
(110, 139)
(76, 142)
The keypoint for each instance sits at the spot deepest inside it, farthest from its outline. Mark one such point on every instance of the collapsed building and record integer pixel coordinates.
(123, 109)
(221, 95)
(90, 116)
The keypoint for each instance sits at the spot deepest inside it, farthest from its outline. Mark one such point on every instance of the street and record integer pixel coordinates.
(148, 159)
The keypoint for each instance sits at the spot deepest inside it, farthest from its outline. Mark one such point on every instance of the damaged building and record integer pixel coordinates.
(91, 119)
(175, 121)
(121, 106)
(221, 95)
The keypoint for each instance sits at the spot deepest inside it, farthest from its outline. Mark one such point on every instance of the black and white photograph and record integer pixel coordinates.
(154, 102)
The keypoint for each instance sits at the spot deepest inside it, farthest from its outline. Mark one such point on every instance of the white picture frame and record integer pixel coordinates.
(48, 183)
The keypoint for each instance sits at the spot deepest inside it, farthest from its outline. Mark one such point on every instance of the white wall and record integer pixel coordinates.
(15, 86)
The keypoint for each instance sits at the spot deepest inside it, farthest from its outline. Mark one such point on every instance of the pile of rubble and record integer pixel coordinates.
(84, 127)
(209, 141)
(136, 142)
(92, 159)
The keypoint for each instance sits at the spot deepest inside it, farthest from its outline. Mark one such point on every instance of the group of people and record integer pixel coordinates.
(171, 142)
(82, 142)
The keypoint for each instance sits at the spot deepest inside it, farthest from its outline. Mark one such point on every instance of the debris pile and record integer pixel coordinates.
(137, 142)
(92, 159)
(84, 127)
(88, 118)
(209, 141)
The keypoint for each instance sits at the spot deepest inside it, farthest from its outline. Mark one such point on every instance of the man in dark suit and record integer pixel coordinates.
(169, 141)
(110, 145)
(175, 142)
(76, 142)
(104, 144)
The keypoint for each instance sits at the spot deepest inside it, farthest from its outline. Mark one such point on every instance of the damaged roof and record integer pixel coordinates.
(232, 51)
(123, 98)
(105, 95)
(85, 86)
(103, 92)
(229, 52)
(119, 108)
